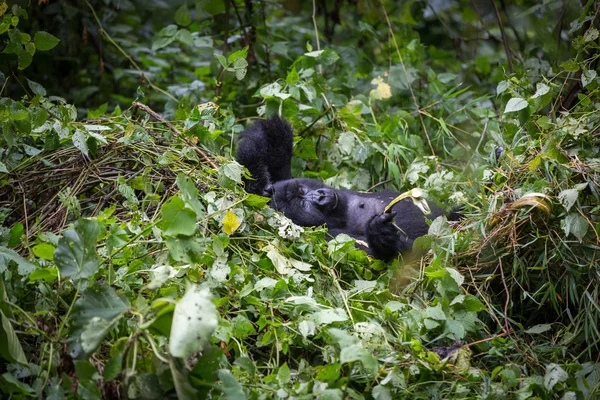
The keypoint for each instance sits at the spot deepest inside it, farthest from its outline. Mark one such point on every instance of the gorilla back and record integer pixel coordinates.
(266, 149)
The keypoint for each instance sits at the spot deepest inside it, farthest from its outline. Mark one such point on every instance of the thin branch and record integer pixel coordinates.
(412, 93)
(175, 131)
(127, 56)
(504, 38)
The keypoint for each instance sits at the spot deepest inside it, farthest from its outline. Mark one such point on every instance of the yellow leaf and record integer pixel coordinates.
(230, 223)
(382, 91)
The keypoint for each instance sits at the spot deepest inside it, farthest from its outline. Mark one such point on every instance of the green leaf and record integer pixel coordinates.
(75, 255)
(194, 321)
(222, 60)
(36, 88)
(183, 16)
(24, 267)
(95, 314)
(284, 374)
(113, 367)
(80, 141)
(44, 250)
(242, 327)
(231, 388)
(177, 219)
(16, 232)
(554, 374)
(3, 168)
(45, 41)
(233, 171)
(189, 194)
(358, 353)
(24, 60)
(256, 201)
(575, 224)
(10, 347)
(48, 275)
(515, 104)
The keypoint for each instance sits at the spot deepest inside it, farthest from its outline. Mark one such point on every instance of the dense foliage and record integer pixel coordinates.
(134, 265)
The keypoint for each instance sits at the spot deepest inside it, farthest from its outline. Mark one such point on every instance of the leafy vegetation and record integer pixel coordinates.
(133, 264)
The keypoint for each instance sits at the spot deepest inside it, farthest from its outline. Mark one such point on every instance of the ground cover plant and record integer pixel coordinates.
(134, 265)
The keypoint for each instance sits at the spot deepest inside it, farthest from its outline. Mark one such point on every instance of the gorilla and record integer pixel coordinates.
(266, 151)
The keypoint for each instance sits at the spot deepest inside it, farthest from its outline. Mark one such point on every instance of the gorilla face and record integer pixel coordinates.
(307, 202)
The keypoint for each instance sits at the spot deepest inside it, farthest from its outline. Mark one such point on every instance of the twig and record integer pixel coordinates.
(127, 56)
(175, 131)
(303, 131)
(506, 303)
(412, 93)
(487, 339)
(504, 38)
(314, 19)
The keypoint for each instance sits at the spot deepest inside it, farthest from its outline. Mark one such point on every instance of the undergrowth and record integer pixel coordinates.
(133, 264)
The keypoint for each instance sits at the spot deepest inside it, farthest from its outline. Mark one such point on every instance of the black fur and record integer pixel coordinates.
(266, 150)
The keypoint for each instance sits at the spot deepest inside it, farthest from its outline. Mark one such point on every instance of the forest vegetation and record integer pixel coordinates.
(134, 265)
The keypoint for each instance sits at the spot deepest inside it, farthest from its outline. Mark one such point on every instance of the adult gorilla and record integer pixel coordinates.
(266, 151)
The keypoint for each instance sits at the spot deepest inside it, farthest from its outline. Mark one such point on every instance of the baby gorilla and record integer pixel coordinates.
(265, 150)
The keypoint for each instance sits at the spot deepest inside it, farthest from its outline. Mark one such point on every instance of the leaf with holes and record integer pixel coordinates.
(194, 321)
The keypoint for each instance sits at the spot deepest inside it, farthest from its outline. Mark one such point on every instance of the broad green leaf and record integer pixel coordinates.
(3, 168)
(45, 41)
(24, 267)
(231, 388)
(95, 314)
(44, 250)
(189, 194)
(10, 347)
(230, 223)
(177, 219)
(576, 225)
(233, 171)
(183, 16)
(256, 201)
(587, 77)
(24, 60)
(113, 367)
(541, 89)
(515, 104)
(284, 374)
(358, 353)
(502, 86)
(554, 374)
(16, 232)
(36, 88)
(86, 380)
(48, 275)
(194, 321)
(435, 313)
(537, 329)
(79, 140)
(75, 255)
(568, 198)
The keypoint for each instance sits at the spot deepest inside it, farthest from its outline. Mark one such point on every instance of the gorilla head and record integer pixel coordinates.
(307, 202)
